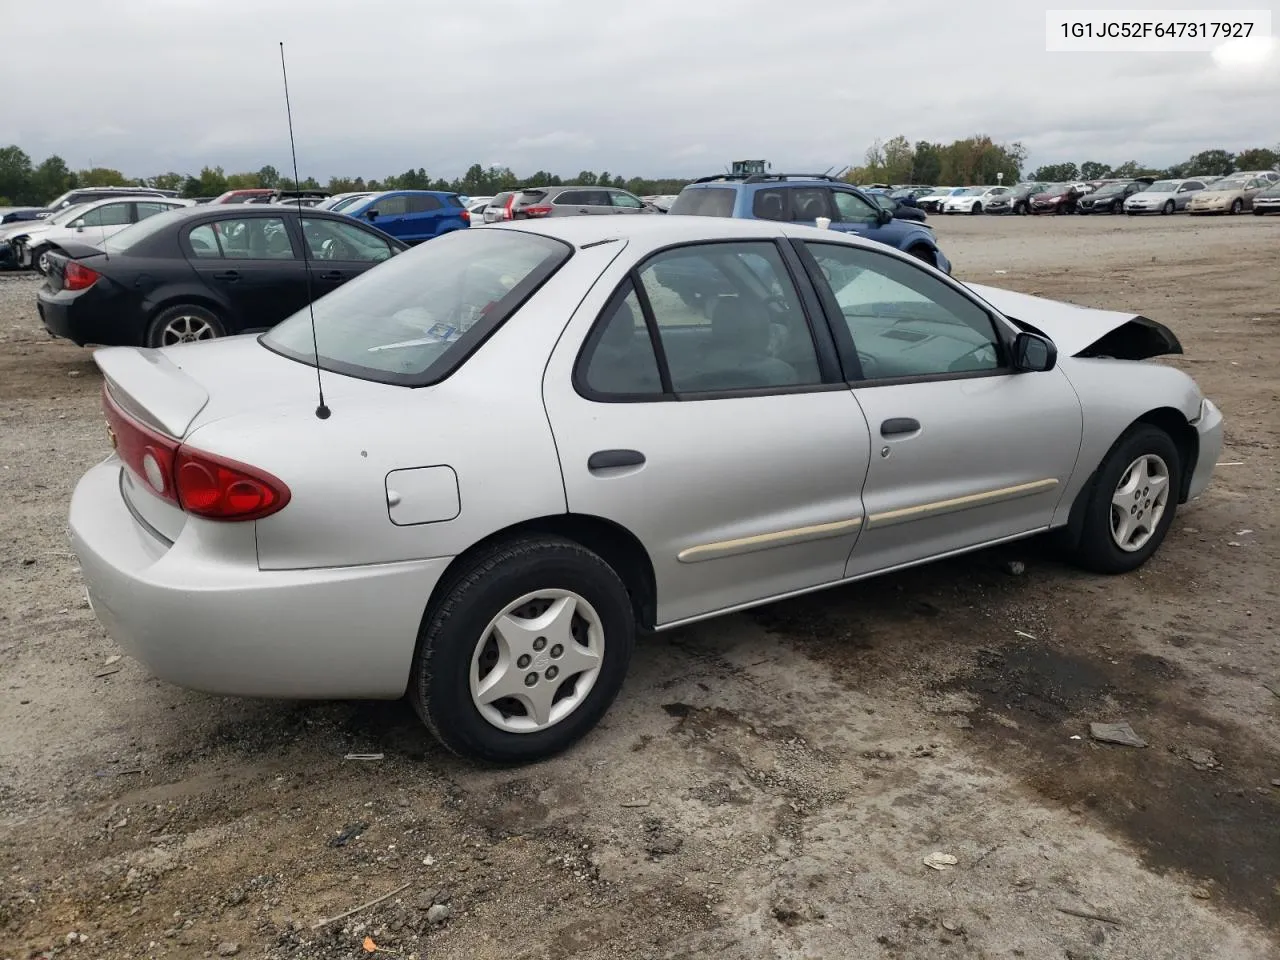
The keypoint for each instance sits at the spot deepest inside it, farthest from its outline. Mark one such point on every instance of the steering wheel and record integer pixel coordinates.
(331, 249)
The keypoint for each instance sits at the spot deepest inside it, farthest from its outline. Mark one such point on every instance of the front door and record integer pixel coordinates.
(965, 451)
(391, 215)
(251, 264)
(723, 439)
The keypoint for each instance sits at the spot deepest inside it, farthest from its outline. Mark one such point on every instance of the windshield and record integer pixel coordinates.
(347, 201)
(412, 319)
(972, 191)
(1108, 189)
(1163, 186)
(1231, 183)
(66, 214)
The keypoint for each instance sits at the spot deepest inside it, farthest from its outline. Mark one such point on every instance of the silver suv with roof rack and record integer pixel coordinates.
(573, 200)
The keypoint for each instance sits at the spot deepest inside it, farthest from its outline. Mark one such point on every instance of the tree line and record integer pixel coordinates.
(973, 160)
(24, 183)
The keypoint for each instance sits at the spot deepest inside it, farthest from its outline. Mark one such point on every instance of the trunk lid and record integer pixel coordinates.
(1083, 331)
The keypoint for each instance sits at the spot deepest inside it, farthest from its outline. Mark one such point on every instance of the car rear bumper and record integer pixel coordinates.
(100, 315)
(200, 614)
(1209, 429)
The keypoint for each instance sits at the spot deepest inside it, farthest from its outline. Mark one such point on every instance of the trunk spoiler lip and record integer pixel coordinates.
(151, 388)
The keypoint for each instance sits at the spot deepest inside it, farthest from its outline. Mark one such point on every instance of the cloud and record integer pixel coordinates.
(667, 87)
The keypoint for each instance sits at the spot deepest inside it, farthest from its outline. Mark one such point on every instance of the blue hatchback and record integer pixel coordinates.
(412, 216)
(803, 198)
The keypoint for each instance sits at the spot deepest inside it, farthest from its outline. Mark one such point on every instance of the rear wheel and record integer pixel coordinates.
(40, 260)
(1131, 503)
(184, 323)
(524, 652)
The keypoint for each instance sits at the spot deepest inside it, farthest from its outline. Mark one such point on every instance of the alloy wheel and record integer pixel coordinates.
(186, 328)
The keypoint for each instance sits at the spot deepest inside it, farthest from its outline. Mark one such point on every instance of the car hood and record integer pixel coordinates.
(1218, 194)
(1047, 196)
(1083, 331)
(1153, 195)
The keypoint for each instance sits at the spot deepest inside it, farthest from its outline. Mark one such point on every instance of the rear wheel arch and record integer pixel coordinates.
(614, 544)
(174, 298)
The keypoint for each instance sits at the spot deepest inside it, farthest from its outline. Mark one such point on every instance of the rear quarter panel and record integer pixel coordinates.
(1113, 395)
(486, 422)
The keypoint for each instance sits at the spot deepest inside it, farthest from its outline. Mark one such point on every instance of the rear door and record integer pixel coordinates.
(726, 443)
(967, 451)
(340, 251)
(250, 263)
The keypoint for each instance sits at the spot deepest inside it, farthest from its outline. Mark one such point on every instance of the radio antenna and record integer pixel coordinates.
(322, 411)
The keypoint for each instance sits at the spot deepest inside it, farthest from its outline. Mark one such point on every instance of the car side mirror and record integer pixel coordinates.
(79, 226)
(371, 214)
(883, 216)
(1033, 353)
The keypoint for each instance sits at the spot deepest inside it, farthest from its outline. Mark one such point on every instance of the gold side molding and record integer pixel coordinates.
(767, 541)
(954, 505)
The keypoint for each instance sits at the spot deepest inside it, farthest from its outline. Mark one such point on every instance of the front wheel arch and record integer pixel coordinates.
(922, 251)
(1185, 439)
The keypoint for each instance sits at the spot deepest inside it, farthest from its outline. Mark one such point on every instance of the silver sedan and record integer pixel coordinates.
(530, 445)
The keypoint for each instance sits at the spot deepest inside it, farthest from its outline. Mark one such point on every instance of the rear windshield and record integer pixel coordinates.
(705, 202)
(414, 318)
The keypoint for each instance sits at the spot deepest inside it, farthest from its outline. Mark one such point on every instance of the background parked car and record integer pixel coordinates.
(243, 196)
(1016, 200)
(1233, 194)
(1052, 199)
(932, 202)
(973, 199)
(21, 214)
(8, 231)
(575, 201)
(1268, 201)
(412, 216)
(899, 209)
(662, 201)
(340, 201)
(802, 198)
(91, 225)
(86, 194)
(204, 272)
(1163, 196)
(1110, 198)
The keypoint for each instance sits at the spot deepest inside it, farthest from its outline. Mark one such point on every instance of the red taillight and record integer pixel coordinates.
(506, 211)
(541, 211)
(200, 483)
(466, 216)
(219, 489)
(76, 276)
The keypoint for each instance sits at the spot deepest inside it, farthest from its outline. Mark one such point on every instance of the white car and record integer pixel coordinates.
(528, 447)
(91, 225)
(1163, 196)
(972, 199)
(475, 208)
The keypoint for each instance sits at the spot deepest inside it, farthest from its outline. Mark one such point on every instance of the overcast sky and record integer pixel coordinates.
(660, 87)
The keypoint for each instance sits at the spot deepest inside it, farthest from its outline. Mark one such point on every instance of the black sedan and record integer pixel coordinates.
(1110, 197)
(203, 272)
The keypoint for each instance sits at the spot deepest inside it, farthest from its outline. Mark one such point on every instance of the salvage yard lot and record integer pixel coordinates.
(768, 784)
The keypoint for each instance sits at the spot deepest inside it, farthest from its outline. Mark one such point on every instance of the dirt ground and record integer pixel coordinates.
(767, 785)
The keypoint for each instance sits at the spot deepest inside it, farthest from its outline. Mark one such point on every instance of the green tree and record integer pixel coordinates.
(1056, 172)
(167, 181)
(51, 179)
(1126, 170)
(1258, 158)
(899, 160)
(15, 175)
(243, 181)
(1211, 163)
(1093, 170)
(211, 182)
(269, 176)
(586, 178)
(927, 163)
(102, 177)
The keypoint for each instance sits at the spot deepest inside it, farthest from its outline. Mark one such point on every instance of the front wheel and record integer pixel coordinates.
(1131, 503)
(921, 252)
(40, 260)
(977, 208)
(1168, 207)
(1237, 206)
(524, 652)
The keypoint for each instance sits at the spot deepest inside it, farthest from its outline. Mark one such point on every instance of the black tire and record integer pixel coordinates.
(1020, 209)
(977, 208)
(1169, 207)
(1237, 207)
(36, 255)
(439, 686)
(1096, 549)
(1257, 212)
(921, 252)
(161, 332)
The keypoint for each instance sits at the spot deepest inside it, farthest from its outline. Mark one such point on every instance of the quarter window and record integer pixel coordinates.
(905, 322)
(620, 360)
(422, 203)
(150, 209)
(729, 318)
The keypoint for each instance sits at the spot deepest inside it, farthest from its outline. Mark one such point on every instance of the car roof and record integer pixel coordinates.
(671, 229)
